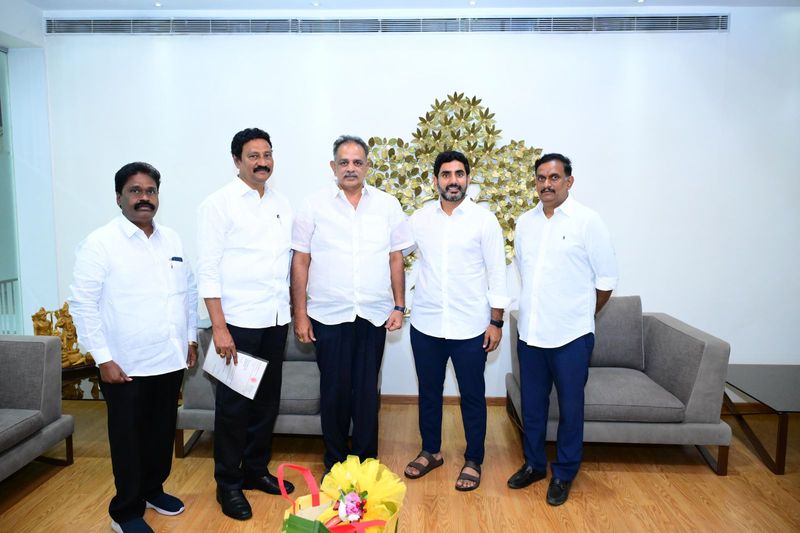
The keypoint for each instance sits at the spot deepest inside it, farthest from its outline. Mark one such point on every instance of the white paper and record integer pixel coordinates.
(244, 377)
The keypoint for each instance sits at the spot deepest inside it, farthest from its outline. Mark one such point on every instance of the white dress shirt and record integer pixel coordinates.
(349, 273)
(562, 260)
(244, 254)
(462, 270)
(134, 299)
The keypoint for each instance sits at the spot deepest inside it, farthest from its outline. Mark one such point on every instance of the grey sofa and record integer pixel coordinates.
(299, 408)
(31, 421)
(652, 380)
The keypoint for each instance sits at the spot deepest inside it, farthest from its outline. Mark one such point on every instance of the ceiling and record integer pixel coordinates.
(361, 5)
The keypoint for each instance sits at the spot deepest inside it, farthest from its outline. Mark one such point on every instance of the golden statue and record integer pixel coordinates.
(59, 324)
(69, 338)
(42, 322)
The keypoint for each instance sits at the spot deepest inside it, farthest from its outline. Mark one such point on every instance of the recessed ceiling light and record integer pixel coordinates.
(315, 4)
(640, 1)
(158, 4)
(472, 2)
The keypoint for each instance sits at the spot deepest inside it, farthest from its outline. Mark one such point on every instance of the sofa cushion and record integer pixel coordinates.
(300, 388)
(618, 334)
(298, 351)
(625, 395)
(17, 425)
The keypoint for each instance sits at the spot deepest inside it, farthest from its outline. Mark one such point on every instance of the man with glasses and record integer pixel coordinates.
(134, 304)
(348, 290)
(244, 232)
(568, 271)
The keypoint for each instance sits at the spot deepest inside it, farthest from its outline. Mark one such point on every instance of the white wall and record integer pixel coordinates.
(685, 143)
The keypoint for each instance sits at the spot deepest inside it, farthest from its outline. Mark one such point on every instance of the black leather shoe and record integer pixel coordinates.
(234, 504)
(525, 476)
(558, 491)
(268, 484)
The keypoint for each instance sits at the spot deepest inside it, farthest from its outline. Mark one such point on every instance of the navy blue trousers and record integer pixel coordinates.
(568, 368)
(243, 427)
(469, 361)
(349, 357)
(141, 430)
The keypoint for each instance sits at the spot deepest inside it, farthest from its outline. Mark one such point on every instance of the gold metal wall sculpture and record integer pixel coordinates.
(503, 173)
(59, 323)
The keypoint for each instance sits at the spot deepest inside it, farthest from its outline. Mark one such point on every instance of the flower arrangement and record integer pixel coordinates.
(363, 492)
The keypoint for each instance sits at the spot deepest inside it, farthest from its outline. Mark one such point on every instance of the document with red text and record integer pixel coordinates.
(243, 377)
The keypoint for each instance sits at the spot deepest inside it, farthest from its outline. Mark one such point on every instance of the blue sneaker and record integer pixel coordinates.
(137, 525)
(165, 504)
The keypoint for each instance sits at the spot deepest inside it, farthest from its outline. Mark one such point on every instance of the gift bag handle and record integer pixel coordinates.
(310, 481)
(357, 527)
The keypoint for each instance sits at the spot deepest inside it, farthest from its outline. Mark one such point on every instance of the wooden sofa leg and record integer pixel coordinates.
(181, 449)
(60, 462)
(70, 457)
(718, 465)
(179, 444)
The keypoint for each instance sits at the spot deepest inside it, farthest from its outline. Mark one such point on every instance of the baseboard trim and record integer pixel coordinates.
(402, 399)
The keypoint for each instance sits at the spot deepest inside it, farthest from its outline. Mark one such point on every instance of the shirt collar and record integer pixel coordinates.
(242, 189)
(336, 191)
(567, 207)
(463, 207)
(129, 229)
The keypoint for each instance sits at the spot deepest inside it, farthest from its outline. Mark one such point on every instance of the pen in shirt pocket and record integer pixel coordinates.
(174, 260)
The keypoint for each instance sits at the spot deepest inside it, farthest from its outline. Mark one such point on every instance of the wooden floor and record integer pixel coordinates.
(620, 488)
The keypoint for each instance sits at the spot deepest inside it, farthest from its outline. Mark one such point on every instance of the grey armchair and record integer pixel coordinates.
(652, 380)
(31, 421)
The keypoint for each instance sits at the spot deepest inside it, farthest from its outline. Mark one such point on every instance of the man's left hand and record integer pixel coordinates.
(491, 338)
(395, 320)
(191, 356)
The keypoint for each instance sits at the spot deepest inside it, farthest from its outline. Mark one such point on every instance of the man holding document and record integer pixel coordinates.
(244, 245)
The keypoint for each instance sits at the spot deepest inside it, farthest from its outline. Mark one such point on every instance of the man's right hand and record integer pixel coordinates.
(110, 372)
(223, 342)
(302, 328)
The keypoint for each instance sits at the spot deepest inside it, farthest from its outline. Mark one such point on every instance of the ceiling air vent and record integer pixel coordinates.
(587, 24)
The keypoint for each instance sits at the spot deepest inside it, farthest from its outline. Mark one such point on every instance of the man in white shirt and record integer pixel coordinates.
(568, 271)
(457, 313)
(134, 304)
(244, 232)
(348, 290)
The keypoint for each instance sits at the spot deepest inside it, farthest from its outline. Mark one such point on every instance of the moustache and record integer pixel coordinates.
(261, 168)
(547, 190)
(144, 203)
(350, 175)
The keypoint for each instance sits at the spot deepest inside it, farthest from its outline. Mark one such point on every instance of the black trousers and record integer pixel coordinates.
(141, 430)
(243, 427)
(349, 357)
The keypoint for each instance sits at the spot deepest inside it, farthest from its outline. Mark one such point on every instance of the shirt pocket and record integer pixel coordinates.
(178, 283)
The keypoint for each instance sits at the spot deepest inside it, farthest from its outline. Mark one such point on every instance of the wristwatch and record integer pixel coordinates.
(400, 308)
(497, 323)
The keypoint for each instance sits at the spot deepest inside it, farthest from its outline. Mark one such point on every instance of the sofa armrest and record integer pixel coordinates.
(31, 374)
(688, 362)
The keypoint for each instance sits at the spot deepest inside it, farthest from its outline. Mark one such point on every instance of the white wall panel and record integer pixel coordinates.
(685, 143)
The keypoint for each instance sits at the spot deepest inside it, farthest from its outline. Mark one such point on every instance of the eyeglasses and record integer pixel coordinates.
(138, 192)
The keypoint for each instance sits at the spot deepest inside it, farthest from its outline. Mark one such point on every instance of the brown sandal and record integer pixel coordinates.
(421, 468)
(469, 477)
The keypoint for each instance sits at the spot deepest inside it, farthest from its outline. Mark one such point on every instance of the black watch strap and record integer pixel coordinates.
(400, 308)
(497, 323)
